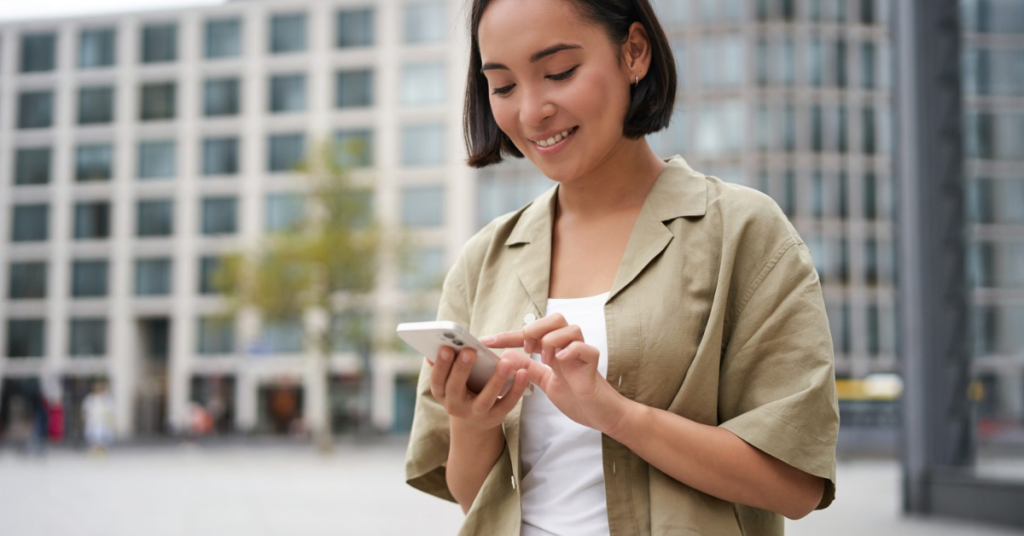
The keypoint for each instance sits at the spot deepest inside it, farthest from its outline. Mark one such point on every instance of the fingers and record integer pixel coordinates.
(536, 330)
(528, 339)
(578, 350)
(536, 372)
(489, 394)
(512, 397)
(439, 375)
(455, 387)
(558, 339)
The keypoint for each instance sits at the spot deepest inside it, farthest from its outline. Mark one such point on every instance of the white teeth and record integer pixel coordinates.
(554, 139)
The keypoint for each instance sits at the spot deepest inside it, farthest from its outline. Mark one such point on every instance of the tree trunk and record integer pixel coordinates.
(366, 392)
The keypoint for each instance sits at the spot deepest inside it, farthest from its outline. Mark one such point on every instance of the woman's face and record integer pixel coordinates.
(535, 96)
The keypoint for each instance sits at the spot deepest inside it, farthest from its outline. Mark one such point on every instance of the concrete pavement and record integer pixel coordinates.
(290, 490)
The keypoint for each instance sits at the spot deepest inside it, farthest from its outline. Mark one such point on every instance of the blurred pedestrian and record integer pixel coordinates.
(98, 410)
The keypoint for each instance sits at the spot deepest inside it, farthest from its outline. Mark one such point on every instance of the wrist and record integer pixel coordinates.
(469, 428)
(624, 413)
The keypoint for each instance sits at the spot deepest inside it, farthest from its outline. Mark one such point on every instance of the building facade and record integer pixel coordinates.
(137, 149)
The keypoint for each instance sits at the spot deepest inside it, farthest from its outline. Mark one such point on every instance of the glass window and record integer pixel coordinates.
(789, 127)
(426, 271)
(423, 145)
(350, 326)
(96, 48)
(868, 53)
(354, 148)
(89, 279)
(220, 97)
(874, 339)
(993, 16)
(32, 165)
(817, 194)
(423, 84)
(223, 38)
(158, 101)
(672, 11)
(285, 151)
(31, 223)
(220, 215)
(95, 105)
(27, 281)
(284, 211)
(814, 60)
(88, 337)
(867, 11)
(763, 136)
(840, 63)
(288, 93)
(841, 186)
(156, 159)
(355, 28)
(216, 336)
(870, 196)
(788, 198)
(993, 71)
(763, 62)
(423, 206)
(788, 61)
(159, 43)
(208, 266)
(155, 218)
(354, 88)
(995, 200)
(220, 156)
(92, 220)
(288, 33)
(283, 336)
(817, 128)
(425, 22)
(94, 162)
(25, 338)
(871, 261)
(995, 135)
(152, 277)
(38, 52)
(499, 194)
(35, 109)
(868, 130)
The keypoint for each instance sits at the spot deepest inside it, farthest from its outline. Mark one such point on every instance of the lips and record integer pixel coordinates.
(555, 139)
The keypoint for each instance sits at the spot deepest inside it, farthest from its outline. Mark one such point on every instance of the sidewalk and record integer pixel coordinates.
(290, 490)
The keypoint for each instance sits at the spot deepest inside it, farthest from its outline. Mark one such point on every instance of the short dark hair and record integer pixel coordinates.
(651, 100)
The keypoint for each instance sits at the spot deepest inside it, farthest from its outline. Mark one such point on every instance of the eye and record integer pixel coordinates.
(563, 76)
(557, 77)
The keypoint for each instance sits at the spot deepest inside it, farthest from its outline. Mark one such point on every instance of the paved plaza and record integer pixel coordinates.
(291, 490)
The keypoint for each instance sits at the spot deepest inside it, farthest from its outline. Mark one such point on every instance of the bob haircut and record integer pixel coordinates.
(651, 102)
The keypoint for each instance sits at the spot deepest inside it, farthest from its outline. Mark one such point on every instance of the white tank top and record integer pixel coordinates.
(562, 488)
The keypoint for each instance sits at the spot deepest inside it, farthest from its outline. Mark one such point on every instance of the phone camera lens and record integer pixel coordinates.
(458, 342)
(450, 335)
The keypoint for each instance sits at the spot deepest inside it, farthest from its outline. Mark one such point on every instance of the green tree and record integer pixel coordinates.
(321, 270)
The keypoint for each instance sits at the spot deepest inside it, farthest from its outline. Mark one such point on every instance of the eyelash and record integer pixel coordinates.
(557, 77)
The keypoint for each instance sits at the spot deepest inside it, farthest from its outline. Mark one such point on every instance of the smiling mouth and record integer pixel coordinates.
(557, 138)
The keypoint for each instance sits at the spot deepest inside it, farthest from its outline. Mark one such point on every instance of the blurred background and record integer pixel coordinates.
(178, 354)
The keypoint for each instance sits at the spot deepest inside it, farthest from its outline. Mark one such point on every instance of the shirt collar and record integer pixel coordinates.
(678, 192)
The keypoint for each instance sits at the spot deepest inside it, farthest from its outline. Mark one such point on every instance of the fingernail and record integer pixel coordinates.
(445, 355)
(489, 339)
(561, 354)
(465, 357)
(503, 368)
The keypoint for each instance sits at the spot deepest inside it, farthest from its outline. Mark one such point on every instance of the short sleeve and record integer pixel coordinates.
(429, 439)
(777, 382)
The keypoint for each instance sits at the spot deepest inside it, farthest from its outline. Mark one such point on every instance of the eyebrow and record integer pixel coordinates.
(537, 56)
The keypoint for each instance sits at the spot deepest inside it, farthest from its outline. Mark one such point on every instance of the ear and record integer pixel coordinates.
(636, 52)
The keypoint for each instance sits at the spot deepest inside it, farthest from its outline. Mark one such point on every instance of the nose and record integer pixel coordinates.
(535, 108)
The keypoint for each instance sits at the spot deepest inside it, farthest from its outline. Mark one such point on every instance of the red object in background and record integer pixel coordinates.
(55, 420)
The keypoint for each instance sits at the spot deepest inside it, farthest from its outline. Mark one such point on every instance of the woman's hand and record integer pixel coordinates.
(483, 411)
(567, 373)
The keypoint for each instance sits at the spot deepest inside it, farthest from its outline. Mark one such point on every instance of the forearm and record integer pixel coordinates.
(471, 456)
(717, 462)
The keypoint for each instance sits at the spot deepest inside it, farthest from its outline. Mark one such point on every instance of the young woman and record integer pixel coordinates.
(681, 352)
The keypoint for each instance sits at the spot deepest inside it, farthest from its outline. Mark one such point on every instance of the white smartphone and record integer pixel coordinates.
(428, 338)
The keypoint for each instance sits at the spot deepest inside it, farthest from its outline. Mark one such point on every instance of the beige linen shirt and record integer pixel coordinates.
(716, 314)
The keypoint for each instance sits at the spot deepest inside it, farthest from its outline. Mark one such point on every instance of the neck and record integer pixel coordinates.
(620, 181)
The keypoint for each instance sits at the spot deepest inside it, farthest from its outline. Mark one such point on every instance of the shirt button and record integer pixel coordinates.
(530, 317)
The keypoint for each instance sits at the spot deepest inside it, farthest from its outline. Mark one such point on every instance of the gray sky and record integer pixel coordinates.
(37, 9)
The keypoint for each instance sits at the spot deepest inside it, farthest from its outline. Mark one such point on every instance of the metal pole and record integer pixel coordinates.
(937, 426)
